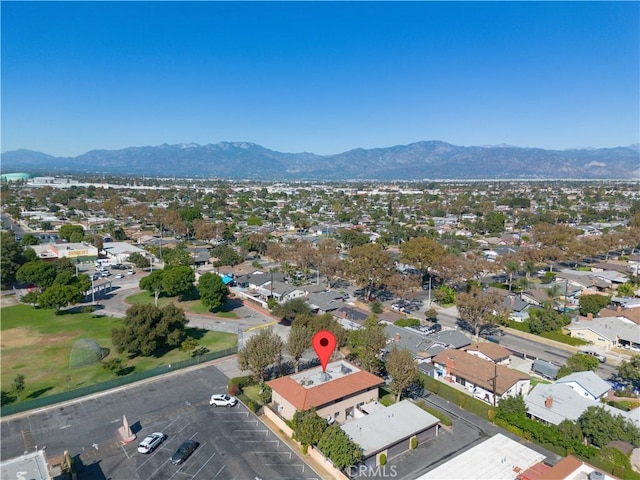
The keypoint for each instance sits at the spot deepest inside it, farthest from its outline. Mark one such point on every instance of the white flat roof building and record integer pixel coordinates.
(498, 458)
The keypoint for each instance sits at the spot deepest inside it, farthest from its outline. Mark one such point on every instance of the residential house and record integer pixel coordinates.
(421, 346)
(489, 351)
(569, 468)
(608, 332)
(389, 430)
(279, 291)
(483, 379)
(552, 403)
(335, 393)
(350, 316)
(587, 384)
(323, 302)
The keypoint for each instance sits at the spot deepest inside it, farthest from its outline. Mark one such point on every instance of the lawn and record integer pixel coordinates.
(192, 305)
(37, 343)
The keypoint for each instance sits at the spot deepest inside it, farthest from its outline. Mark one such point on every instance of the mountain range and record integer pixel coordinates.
(426, 160)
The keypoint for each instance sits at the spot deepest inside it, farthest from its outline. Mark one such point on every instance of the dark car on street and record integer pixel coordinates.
(184, 451)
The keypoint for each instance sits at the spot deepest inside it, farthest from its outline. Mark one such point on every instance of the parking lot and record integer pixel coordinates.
(233, 443)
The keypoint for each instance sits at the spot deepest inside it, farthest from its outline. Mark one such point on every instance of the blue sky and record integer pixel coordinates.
(319, 77)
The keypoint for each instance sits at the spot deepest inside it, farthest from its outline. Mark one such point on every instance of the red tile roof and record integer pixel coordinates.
(304, 398)
(479, 371)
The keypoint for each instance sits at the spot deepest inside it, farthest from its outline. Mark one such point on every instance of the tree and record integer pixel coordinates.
(261, 351)
(213, 291)
(298, 342)
(59, 296)
(147, 329)
(629, 371)
(38, 272)
(593, 303)
(369, 266)
(578, 362)
(627, 289)
(339, 448)
(139, 260)
(31, 298)
(67, 232)
(29, 239)
(19, 385)
(326, 321)
(290, 309)
(512, 409)
(352, 238)
(178, 281)
(308, 427)
(601, 427)
(402, 370)
(545, 320)
(478, 308)
(11, 258)
(154, 283)
(225, 255)
(421, 252)
(367, 343)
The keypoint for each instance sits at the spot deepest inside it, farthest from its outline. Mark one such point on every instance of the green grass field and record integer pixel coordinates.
(189, 305)
(36, 343)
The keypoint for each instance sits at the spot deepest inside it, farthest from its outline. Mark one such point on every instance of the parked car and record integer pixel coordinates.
(119, 275)
(130, 272)
(222, 400)
(601, 358)
(151, 442)
(184, 451)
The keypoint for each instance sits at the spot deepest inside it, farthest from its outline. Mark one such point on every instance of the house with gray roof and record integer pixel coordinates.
(323, 302)
(389, 430)
(587, 384)
(607, 332)
(555, 402)
(421, 346)
(350, 316)
(280, 291)
(450, 339)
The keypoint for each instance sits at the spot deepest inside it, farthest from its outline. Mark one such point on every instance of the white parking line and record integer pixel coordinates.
(274, 453)
(277, 442)
(255, 422)
(266, 432)
(218, 472)
(208, 460)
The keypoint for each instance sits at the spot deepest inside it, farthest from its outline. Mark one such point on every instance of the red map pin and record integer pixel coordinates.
(324, 342)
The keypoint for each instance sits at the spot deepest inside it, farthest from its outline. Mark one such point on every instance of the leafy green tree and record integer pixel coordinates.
(421, 252)
(290, 309)
(578, 362)
(339, 448)
(139, 260)
(11, 258)
(545, 320)
(401, 368)
(29, 239)
(177, 256)
(59, 296)
(352, 238)
(178, 281)
(147, 329)
(445, 295)
(31, 298)
(261, 351)
(629, 371)
(308, 427)
(369, 266)
(19, 384)
(512, 409)
(298, 342)
(154, 283)
(593, 303)
(213, 291)
(367, 343)
(67, 231)
(326, 321)
(225, 255)
(627, 289)
(38, 272)
(601, 427)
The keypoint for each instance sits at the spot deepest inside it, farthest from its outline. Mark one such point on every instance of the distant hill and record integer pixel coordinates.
(417, 161)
